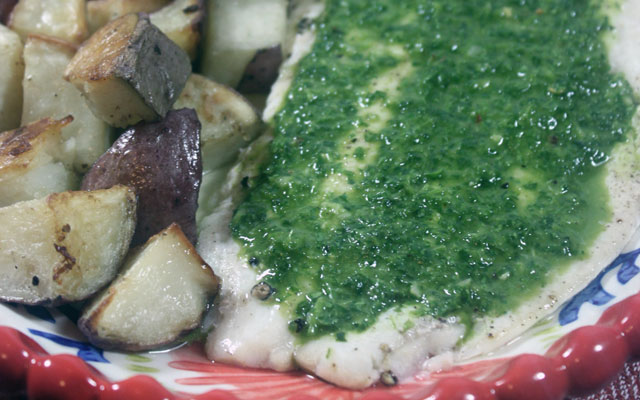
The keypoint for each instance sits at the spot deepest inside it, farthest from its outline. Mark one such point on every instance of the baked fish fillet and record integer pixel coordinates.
(251, 333)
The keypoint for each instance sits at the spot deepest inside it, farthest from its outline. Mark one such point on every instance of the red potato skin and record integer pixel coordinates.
(161, 161)
(6, 6)
(262, 71)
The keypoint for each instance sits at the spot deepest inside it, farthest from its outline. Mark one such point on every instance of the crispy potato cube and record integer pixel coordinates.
(177, 284)
(30, 167)
(236, 31)
(64, 247)
(64, 19)
(47, 94)
(129, 71)
(100, 12)
(11, 71)
(229, 121)
(182, 21)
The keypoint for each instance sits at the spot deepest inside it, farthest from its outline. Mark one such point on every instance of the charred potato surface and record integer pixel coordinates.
(129, 71)
(30, 166)
(177, 287)
(64, 247)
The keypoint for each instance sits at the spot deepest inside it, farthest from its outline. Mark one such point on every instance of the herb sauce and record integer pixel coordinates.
(444, 154)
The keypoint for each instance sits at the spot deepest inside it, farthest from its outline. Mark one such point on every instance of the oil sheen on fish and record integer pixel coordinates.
(437, 177)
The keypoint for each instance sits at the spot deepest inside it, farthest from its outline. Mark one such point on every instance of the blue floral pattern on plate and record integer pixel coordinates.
(40, 323)
(86, 351)
(594, 293)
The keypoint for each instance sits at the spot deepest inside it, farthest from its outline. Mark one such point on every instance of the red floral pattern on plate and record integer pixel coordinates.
(579, 362)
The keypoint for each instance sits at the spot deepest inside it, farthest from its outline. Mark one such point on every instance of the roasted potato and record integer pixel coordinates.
(64, 247)
(64, 19)
(129, 71)
(162, 293)
(11, 72)
(182, 22)
(236, 31)
(100, 12)
(162, 162)
(30, 164)
(47, 94)
(228, 120)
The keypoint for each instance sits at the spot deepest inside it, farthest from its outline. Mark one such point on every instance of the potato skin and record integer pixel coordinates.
(162, 84)
(129, 71)
(229, 121)
(179, 287)
(235, 31)
(162, 162)
(6, 6)
(262, 71)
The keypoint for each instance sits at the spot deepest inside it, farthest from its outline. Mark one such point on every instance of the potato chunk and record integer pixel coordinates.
(64, 247)
(162, 162)
(162, 293)
(236, 31)
(100, 12)
(129, 71)
(64, 19)
(229, 121)
(182, 21)
(11, 71)
(47, 94)
(30, 166)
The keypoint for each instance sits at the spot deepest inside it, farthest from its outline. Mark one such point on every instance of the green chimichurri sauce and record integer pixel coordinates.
(444, 154)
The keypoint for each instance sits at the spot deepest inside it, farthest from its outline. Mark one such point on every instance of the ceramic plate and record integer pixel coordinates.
(574, 350)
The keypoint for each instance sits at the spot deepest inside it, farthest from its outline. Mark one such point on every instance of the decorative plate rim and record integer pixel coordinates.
(567, 368)
(570, 359)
